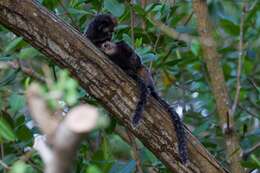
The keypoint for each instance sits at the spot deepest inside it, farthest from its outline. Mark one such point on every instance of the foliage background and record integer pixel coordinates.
(179, 71)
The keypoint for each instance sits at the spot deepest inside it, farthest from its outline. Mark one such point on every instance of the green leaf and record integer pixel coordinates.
(104, 154)
(127, 39)
(139, 10)
(5, 131)
(23, 133)
(249, 164)
(78, 12)
(138, 42)
(149, 57)
(9, 78)
(7, 58)
(16, 102)
(13, 44)
(28, 52)
(114, 7)
(195, 47)
(93, 169)
(248, 66)
(51, 4)
(230, 27)
(202, 128)
(21, 167)
(254, 158)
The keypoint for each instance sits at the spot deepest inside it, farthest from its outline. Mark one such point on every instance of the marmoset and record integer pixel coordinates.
(100, 32)
(100, 29)
(125, 57)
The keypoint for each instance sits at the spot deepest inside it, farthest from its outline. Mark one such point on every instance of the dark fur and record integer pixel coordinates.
(118, 52)
(100, 32)
(100, 29)
(130, 62)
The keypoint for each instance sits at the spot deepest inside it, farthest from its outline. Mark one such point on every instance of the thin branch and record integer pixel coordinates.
(135, 152)
(143, 4)
(2, 154)
(170, 31)
(252, 82)
(188, 19)
(218, 84)
(26, 70)
(56, 150)
(132, 14)
(240, 56)
(40, 111)
(125, 136)
(252, 6)
(246, 153)
(68, 14)
(157, 41)
(248, 111)
(4, 165)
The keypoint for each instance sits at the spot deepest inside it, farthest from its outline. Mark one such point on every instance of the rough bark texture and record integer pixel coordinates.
(105, 81)
(218, 85)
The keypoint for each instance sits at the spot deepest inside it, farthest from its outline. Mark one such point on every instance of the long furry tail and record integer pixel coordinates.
(179, 127)
(144, 93)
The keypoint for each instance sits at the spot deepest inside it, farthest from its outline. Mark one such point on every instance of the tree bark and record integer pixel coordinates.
(218, 85)
(105, 81)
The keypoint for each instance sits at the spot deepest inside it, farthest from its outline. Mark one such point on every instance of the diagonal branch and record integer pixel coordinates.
(171, 32)
(103, 80)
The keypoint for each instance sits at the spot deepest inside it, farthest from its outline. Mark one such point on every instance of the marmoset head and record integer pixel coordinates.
(109, 48)
(101, 28)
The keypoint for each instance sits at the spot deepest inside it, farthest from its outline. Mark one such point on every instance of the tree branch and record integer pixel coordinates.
(219, 89)
(105, 81)
(240, 56)
(171, 32)
(57, 151)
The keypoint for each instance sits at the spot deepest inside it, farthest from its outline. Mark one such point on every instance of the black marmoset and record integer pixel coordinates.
(100, 29)
(125, 57)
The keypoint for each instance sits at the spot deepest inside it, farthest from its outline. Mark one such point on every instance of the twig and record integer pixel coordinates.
(56, 150)
(252, 6)
(40, 111)
(26, 70)
(252, 82)
(68, 14)
(125, 136)
(248, 111)
(218, 84)
(4, 165)
(143, 4)
(188, 19)
(246, 153)
(156, 42)
(240, 53)
(135, 152)
(170, 31)
(2, 154)
(132, 24)
(129, 138)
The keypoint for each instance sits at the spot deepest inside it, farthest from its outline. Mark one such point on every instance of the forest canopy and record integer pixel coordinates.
(204, 59)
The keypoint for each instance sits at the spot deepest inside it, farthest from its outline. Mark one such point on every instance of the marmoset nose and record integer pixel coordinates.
(114, 20)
